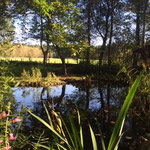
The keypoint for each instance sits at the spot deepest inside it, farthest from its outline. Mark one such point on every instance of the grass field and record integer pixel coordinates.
(49, 60)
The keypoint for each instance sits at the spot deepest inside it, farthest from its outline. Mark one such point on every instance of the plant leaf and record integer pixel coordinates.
(81, 132)
(48, 126)
(102, 138)
(93, 139)
(120, 120)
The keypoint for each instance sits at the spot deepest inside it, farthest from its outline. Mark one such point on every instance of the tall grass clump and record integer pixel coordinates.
(51, 76)
(25, 75)
(73, 140)
(34, 76)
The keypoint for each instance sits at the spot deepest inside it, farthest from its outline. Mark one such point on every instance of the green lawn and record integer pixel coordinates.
(40, 60)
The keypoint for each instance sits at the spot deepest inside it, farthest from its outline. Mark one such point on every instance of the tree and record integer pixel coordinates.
(139, 8)
(61, 19)
(145, 7)
(6, 28)
(86, 7)
(101, 15)
(111, 30)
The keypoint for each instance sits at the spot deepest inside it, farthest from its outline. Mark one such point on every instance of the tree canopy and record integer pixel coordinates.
(69, 27)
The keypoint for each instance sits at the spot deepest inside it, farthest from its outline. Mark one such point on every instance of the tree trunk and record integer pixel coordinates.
(111, 31)
(41, 37)
(138, 27)
(44, 50)
(62, 60)
(105, 36)
(45, 58)
(102, 52)
(89, 33)
(41, 43)
(101, 57)
(135, 57)
(144, 23)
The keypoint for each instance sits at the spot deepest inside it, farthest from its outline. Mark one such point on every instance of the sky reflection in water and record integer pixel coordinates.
(27, 96)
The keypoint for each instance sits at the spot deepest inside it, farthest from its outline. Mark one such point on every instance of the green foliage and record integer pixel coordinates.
(146, 84)
(34, 76)
(6, 36)
(59, 25)
(93, 139)
(7, 101)
(25, 75)
(51, 76)
(117, 132)
(74, 139)
(5, 89)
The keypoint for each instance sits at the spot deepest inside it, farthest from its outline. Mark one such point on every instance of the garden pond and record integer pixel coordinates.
(101, 101)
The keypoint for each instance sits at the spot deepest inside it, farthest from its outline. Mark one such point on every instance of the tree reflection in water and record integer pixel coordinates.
(100, 101)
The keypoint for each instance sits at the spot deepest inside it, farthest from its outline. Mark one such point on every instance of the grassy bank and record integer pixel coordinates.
(76, 72)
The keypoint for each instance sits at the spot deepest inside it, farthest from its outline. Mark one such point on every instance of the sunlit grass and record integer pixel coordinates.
(49, 60)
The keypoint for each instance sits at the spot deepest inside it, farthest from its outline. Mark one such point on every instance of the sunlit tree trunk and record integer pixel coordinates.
(44, 49)
(59, 51)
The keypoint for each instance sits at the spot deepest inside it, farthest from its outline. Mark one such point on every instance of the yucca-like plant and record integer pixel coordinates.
(74, 141)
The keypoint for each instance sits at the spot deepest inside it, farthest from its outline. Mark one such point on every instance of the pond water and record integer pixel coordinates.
(93, 100)
(28, 96)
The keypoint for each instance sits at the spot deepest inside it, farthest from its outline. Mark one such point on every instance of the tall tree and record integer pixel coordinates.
(111, 30)
(62, 21)
(89, 30)
(101, 16)
(87, 16)
(145, 7)
(139, 8)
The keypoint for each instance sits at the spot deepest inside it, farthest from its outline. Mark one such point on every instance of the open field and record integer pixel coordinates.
(49, 60)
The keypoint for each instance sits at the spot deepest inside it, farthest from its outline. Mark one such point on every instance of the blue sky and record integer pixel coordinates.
(20, 37)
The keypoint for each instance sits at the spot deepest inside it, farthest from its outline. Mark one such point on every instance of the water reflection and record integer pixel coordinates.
(88, 97)
(100, 101)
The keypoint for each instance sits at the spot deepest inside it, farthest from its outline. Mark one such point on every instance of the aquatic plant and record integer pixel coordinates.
(51, 76)
(74, 139)
(34, 76)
